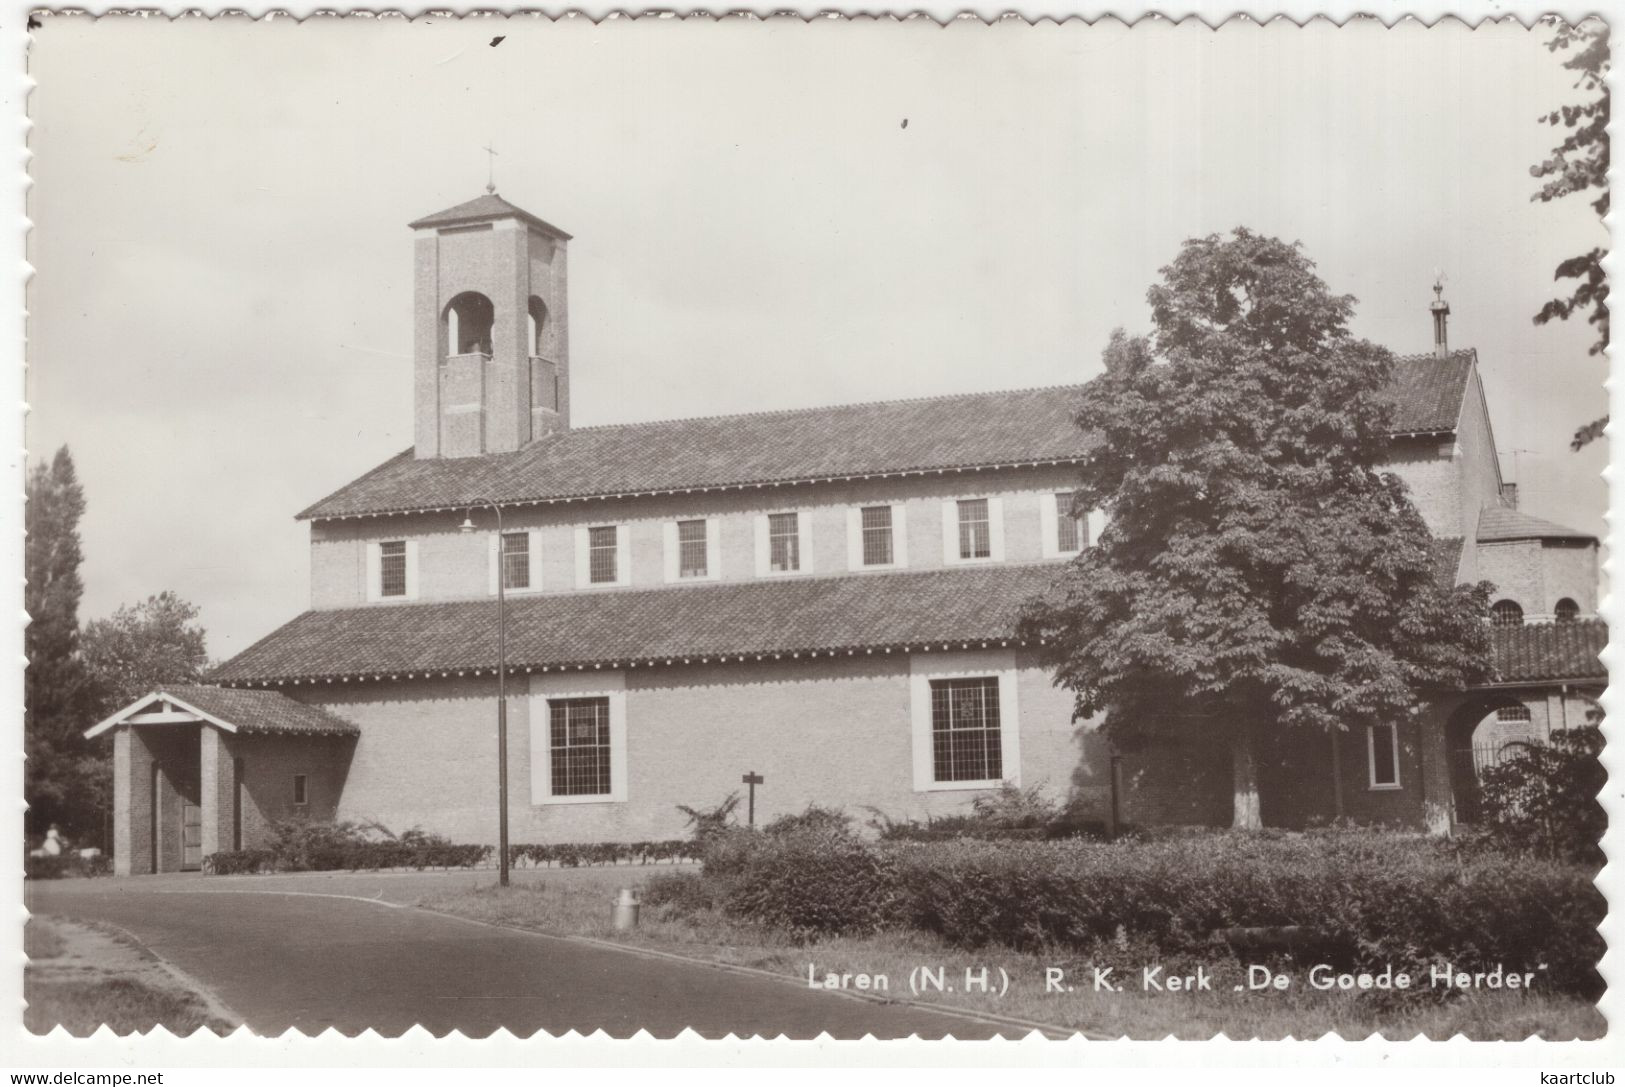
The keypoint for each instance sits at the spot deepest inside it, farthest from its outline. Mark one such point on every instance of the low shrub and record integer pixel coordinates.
(1544, 798)
(681, 893)
(239, 862)
(1009, 814)
(817, 819)
(67, 866)
(578, 854)
(703, 823)
(807, 882)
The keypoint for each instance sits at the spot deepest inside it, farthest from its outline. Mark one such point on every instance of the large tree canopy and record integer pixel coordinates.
(1579, 164)
(140, 648)
(1257, 571)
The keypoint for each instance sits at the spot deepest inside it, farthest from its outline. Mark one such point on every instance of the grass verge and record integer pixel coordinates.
(577, 903)
(81, 977)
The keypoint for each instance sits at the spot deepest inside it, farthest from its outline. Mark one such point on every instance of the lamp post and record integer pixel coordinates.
(502, 694)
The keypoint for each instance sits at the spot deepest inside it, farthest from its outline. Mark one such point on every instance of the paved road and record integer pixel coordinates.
(311, 960)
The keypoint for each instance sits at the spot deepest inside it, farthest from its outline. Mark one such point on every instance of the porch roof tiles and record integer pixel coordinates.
(1551, 652)
(262, 712)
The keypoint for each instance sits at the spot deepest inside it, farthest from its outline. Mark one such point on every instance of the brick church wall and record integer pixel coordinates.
(835, 733)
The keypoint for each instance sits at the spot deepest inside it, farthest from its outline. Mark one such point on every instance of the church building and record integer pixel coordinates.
(823, 597)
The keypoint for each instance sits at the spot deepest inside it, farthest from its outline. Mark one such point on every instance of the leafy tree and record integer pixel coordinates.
(1258, 573)
(55, 691)
(139, 648)
(1579, 163)
(1544, 798)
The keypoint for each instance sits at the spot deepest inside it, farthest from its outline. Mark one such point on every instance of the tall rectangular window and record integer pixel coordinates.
(784, 542)
(578, 746)
(975, 537)
(392, 568)
(301, 789)
(965, 741)
(602, 545)
(516, 560)
(692, 560)
(1068, 532)
(877, 538)
(1382, 745)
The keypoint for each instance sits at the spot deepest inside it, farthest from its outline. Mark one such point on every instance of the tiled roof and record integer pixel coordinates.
(1496, 523)
(262, 712)
(947, 608)
(1551, 651)
(977, 430)
(482, 208)
(775, 616)
(1427, 392)
(1446, 560)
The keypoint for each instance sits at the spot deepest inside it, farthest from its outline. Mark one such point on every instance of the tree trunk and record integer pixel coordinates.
(1247, 814)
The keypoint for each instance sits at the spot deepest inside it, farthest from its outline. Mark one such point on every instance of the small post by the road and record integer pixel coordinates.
(752, 779)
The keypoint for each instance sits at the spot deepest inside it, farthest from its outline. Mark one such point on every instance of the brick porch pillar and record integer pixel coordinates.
(132, 803)
(217, 785)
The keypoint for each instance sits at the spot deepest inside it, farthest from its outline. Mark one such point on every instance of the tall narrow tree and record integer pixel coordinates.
(1258, 571)
(54, 689)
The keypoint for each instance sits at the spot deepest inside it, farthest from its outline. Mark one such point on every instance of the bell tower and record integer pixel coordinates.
(491, 343)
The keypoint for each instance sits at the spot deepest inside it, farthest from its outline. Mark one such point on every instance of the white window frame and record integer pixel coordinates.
(764, 545)
(543, 689)
(950, 530)
(494, 561)
(374, 572)
(854, 537)
(1371, 758)
(925, 667)
(1049, 517)
(672, 549)
(623, 564)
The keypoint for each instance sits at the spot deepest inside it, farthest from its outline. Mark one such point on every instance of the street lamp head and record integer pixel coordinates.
(467, 525)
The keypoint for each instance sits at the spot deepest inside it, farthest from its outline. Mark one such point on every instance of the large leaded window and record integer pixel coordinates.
(784, 542)
(579, 746)
(392, 568)
(603, 543)
(975, 535)
(965, 740)
(516, 560)
(692, 560)
(877, 535)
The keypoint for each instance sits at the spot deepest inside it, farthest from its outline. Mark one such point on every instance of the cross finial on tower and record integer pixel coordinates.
(1441, 318)
(490, 169)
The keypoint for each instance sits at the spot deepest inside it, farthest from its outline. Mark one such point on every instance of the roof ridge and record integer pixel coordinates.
(769, 412)
(1429, 356)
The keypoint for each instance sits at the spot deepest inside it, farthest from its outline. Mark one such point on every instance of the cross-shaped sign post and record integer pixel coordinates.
(491, 168)
(752, 779)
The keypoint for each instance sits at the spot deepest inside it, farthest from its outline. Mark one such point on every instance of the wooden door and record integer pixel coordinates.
(191, 824)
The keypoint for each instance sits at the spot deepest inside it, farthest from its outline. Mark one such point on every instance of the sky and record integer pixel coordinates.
(220, 320)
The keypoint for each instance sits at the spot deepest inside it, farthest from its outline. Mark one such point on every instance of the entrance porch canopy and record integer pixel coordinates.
(243, 712)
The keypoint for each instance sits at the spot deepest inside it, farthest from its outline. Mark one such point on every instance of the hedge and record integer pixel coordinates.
(67, 865)
(341, 852)
(1356, 899)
